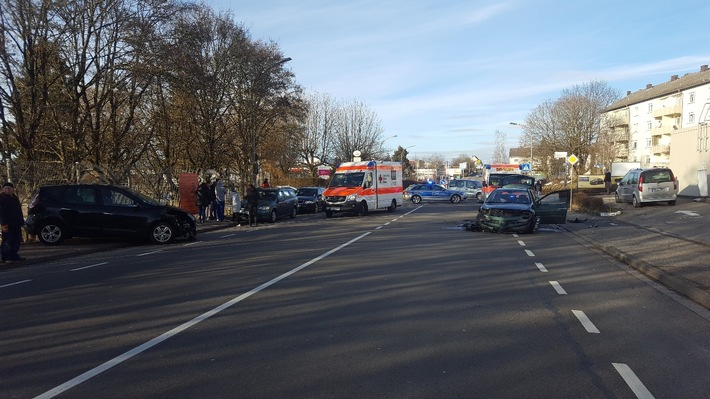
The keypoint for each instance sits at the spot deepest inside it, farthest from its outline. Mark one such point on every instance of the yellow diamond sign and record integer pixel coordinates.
(572, 159)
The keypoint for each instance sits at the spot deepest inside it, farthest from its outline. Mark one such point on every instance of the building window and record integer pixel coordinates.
(634, 145)
(648, 142)
(691, 118)
(649, 125)
(650, 108)
(691, 97)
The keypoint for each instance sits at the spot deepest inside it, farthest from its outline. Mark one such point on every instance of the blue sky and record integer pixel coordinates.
(445, 75)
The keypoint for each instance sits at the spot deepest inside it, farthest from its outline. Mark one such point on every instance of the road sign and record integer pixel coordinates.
(525, 167)
(572, 159)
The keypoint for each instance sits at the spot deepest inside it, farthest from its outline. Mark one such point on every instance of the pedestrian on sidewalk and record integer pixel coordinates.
(11, 222)
(203, 199)
(252, 198)
(265, 184)
(607, 182)
(220, 193)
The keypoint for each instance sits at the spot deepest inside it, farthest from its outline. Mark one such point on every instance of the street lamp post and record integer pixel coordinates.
(531, 142)
(401, 154)
(255, 166)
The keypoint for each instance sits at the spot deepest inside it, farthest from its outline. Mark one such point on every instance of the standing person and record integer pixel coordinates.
(538, 188)
(213, 204)
(607, 182)
(265, 184)
(252, 198)
(236, 205)
(203, 199)
(220, 193)
(11, 221)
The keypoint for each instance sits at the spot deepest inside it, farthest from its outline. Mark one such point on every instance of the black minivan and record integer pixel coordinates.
(59, 212)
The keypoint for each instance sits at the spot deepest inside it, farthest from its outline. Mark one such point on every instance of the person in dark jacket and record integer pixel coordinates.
(607, 182)
(252, 198)
(11, 221)
(203, 200)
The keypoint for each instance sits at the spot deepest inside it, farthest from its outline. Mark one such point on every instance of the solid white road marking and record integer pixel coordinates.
(150, 253)
(541, 267)
(558, 288)
(586, 323)
(89, 267)
(632, 381)
(521, 243)
(15, 283)
(155, 341)
(689, 213)
(529, 252)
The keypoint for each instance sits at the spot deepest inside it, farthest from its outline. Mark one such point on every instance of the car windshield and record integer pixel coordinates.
(347, 179)
(516, 179)
(307, 192)
(509, 197)
(267, 195)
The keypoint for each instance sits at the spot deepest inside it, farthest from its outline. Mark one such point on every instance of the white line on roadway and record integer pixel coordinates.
(529, 252)
(150, 253)
(15, 283)
(558, 288)
(155, 341)
(541, 267)
(89, 267)
(632, 381)
(521, 242)
(586, 323)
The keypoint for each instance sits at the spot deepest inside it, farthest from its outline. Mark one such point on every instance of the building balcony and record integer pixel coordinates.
(661, 149)
(673, 110)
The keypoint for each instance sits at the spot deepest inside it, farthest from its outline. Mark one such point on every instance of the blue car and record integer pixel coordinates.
(432, 192)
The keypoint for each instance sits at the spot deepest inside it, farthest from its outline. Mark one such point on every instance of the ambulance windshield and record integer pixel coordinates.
(347, 179)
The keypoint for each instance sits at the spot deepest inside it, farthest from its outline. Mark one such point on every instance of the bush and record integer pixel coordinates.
(584, 203)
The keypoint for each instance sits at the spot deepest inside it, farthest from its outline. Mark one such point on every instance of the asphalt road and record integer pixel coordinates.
(398, 305)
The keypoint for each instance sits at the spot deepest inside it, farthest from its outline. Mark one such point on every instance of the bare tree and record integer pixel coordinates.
(500, 154)
(319, 130)
(358, 129)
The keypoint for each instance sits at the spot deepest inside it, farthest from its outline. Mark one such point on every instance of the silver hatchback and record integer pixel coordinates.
(640, 186)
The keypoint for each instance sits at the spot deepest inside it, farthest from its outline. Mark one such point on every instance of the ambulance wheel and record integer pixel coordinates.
(416, 199)
(362, 209)
(392, 206)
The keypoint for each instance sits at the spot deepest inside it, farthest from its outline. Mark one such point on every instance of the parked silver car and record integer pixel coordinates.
(472, 188)
(640, 186)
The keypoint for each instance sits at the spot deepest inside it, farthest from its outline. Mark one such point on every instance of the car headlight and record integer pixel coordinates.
(308, 202)
(352, 197)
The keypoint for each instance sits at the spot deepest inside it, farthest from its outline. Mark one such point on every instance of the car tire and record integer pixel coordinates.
(162, 233)
(273, 217)
(293, 213)
(635, 202)
(362, 209)
(52, 233)
(455, 199)
(416, 199)
(479, 197)
(392, 206)
(617, 198)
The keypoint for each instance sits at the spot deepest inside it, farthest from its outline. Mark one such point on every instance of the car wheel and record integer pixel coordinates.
(479, 197)
(273, 217)
(293, 213)
(392, 206)
(162, 233)
(52, 233)
(635, 202)
(617, 198)
(455, 199)
(362, 209)
(416, 199)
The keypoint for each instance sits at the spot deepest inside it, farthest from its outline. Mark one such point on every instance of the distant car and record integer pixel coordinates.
(641, 186)
(59, 212)
(472, 188)
(432, 192)
(274, 203)
(310, 199)
(515, 210)
(597, 181)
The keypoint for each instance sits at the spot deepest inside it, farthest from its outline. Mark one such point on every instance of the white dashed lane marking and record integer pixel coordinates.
(632, 381)
(558, 288)
(541, 267)
(586, 323)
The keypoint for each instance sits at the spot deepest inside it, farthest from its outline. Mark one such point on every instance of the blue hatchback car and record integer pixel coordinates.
(432, 192)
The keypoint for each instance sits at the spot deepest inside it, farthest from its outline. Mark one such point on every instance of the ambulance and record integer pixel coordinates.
(360, 187)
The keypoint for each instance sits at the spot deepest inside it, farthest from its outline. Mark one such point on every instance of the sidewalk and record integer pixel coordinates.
(670, 244)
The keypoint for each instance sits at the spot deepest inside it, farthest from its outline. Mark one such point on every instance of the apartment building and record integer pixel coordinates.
(666, 125)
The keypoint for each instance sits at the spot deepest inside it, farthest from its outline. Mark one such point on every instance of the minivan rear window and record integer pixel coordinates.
(658, 176)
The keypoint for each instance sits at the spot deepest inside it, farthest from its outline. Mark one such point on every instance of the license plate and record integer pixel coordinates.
(337, 208)
(657, 190)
